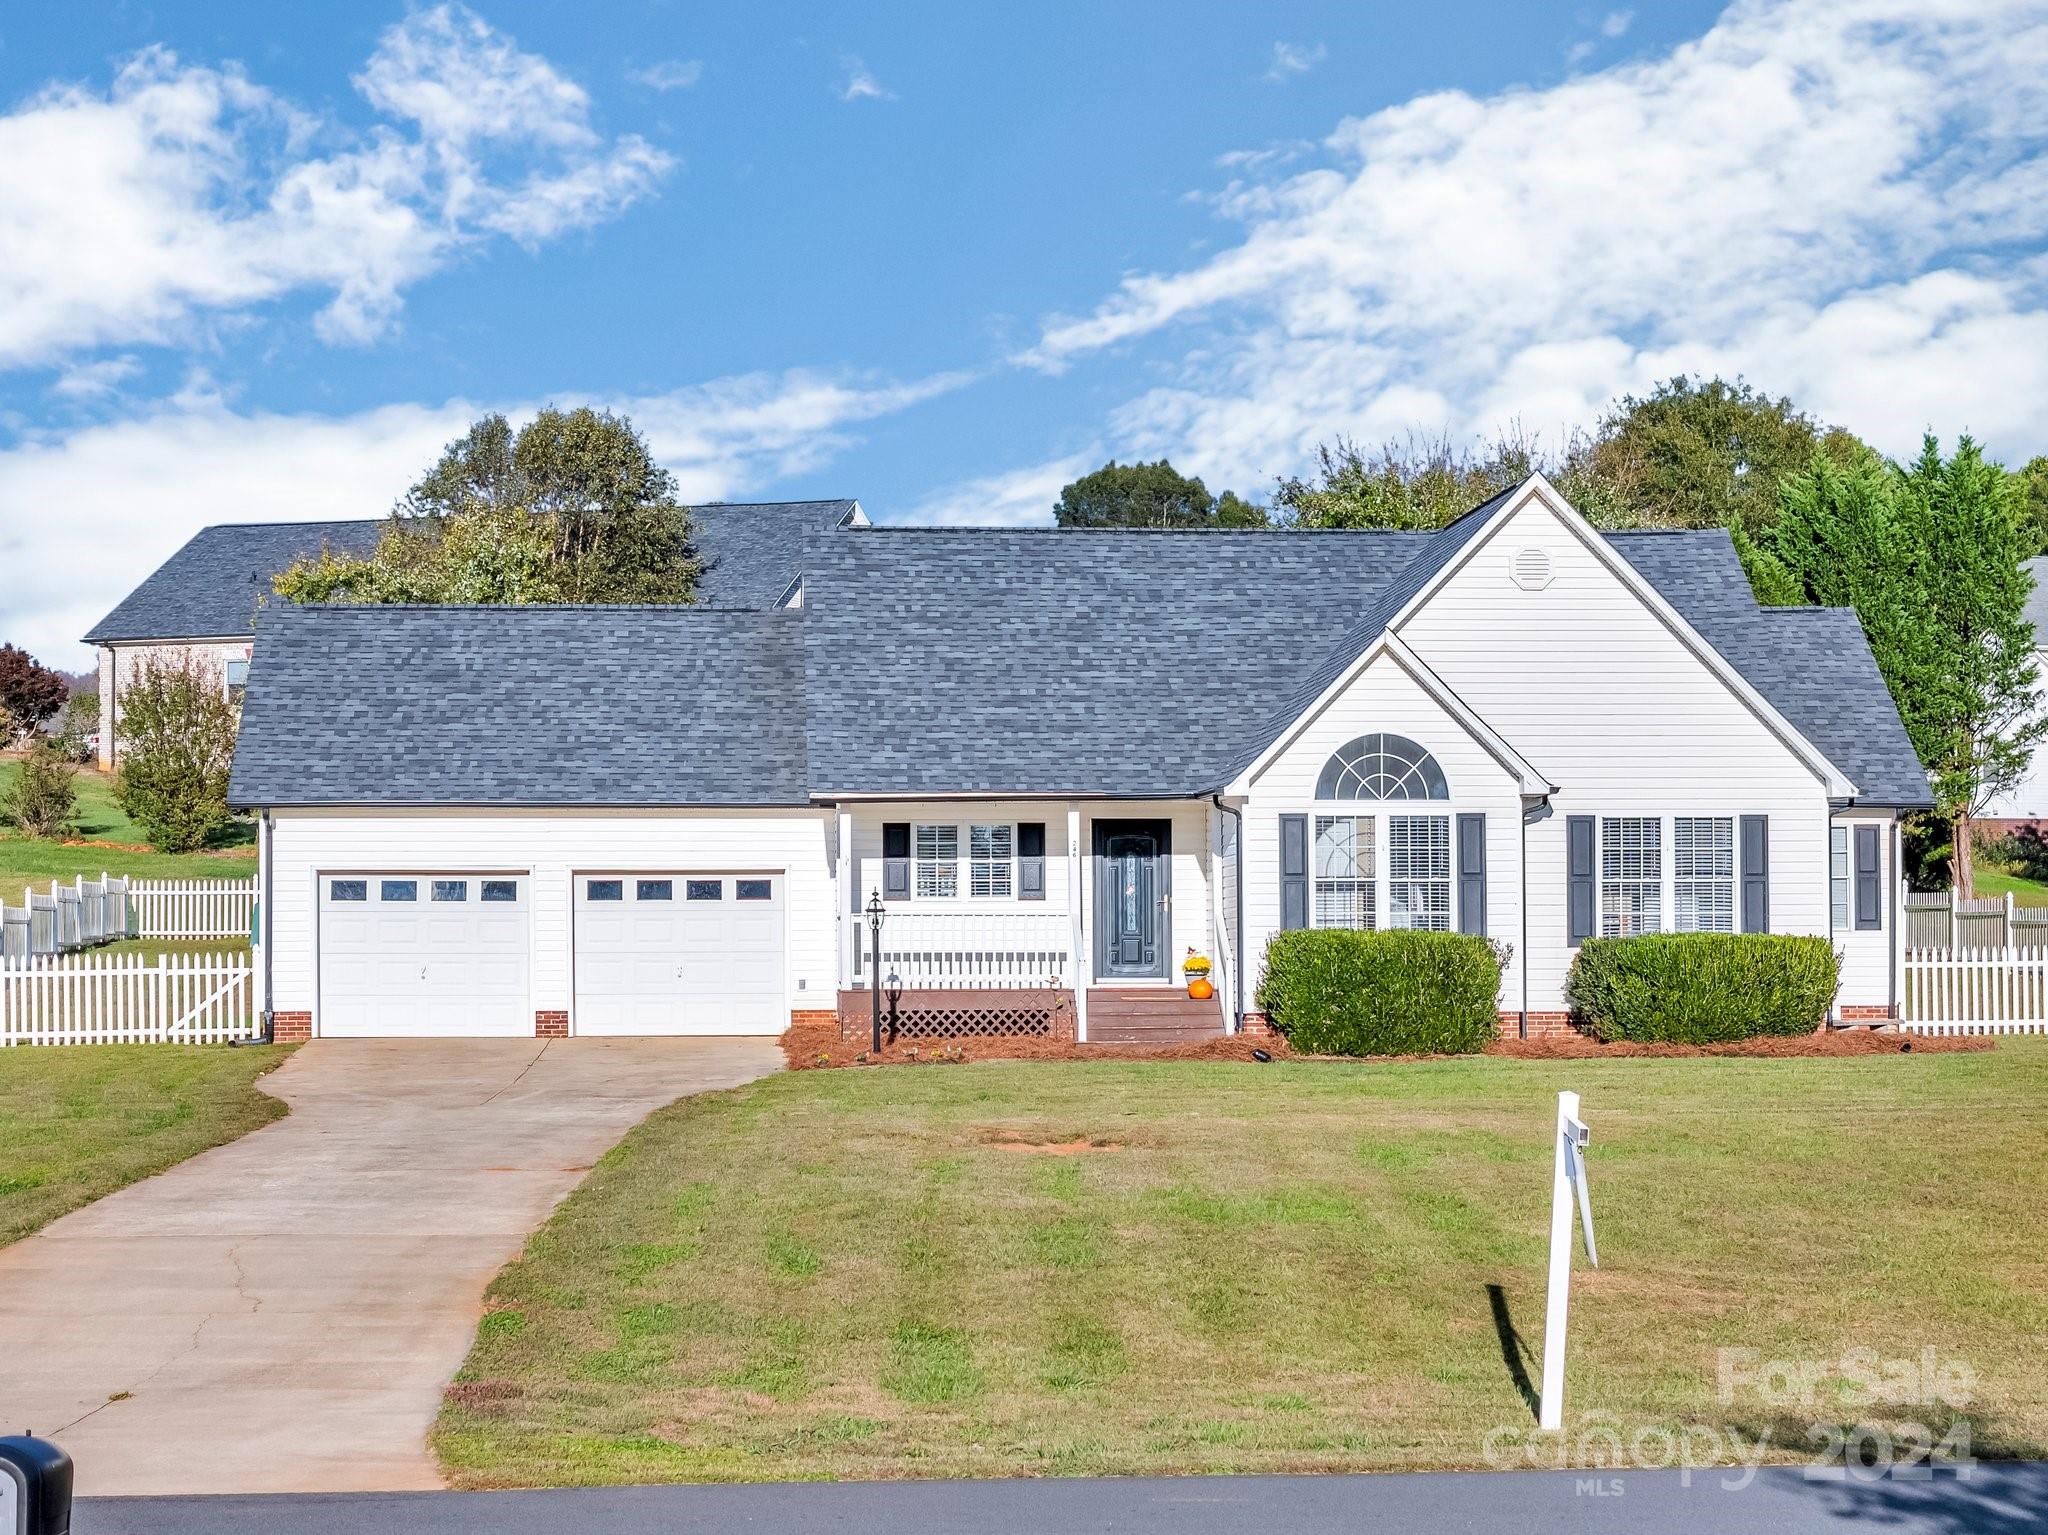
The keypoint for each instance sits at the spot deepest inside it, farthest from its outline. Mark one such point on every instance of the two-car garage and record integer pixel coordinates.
(432, 953)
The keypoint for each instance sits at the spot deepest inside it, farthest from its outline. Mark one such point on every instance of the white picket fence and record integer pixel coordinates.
(122, 999)
(192, 908)
(89, 912)
(1975, 991)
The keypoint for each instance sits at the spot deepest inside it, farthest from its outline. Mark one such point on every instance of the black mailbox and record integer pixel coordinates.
(35, 1487)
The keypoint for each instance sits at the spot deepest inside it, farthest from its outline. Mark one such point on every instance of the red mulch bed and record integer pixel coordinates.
(808, 1047)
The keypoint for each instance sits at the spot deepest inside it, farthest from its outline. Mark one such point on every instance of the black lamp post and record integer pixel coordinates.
(877, 914)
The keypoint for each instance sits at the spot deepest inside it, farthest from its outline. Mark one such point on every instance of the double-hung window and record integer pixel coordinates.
(1838, 878)
(1631, 875)
(991, 862)
(938, 862)
(1419, 871)
(1344, 887)
(1703, 873)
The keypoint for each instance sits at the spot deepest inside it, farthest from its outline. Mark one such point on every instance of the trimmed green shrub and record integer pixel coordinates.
(1332, 991)
(1701, 988)
(41, 800)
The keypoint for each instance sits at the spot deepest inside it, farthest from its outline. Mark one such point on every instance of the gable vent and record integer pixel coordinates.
(1532, 569)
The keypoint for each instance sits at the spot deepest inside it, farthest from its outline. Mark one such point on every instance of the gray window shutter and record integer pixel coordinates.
(896, 861)
(1756, 874)
(1582, 910)
(1472, 874)
(1031, 860)
(1294, 871)
(1869, 878)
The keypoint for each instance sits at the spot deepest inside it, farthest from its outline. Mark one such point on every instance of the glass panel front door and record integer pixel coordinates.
(1131, 883)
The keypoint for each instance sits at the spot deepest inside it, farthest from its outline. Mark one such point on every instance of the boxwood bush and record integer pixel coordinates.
(1700, 988)
(1332, 991)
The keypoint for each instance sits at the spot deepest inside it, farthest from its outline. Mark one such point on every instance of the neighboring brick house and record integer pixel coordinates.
(1057, 761)
(202, 601)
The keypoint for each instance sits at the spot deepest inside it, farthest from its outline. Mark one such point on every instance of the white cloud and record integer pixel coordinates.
(130, 492)
(860, 85)
(669, 74)
(1015, 498)
(1616, 23)
(91, 380)
(185, 194)
(1824, 196)
(1291, 59)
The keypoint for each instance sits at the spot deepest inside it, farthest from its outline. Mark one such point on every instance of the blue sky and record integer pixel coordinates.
(257, 262)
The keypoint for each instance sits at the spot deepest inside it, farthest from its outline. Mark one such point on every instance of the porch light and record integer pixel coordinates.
(877, 915)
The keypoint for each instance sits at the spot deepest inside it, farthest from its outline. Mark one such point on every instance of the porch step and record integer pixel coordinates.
(1150, 1016)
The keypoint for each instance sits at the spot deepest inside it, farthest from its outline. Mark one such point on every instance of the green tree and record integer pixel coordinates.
(1929, 557)
(1150, 496)
(2032, 511)
(1704, 454)
(571, 508)
(41, 800)
(1421, 483)
(177, 732)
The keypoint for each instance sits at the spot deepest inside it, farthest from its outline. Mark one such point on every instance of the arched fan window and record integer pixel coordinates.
(1382, 767)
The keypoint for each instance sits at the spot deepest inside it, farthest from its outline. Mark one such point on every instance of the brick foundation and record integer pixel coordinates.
(1541, 1026)
(291, 1028)
(1257, 1023)
(800, 1016)
(548, 1025)
(1855, 1013)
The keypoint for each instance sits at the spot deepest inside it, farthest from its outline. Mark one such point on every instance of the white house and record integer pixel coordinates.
(1059, 760)
(202, 602)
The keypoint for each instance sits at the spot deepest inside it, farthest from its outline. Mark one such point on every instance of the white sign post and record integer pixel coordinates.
(1567, 1184)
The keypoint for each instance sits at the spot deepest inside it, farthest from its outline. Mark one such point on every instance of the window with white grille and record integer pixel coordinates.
(1419, 871)
(991, 861)
(1631, 875)
(938, 862)
(1344, 872)
(1838, 876)
(1703, 874)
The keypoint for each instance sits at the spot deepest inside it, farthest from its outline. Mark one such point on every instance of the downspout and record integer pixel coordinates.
(1237, 915)
(1522, 1013)
(266, 919)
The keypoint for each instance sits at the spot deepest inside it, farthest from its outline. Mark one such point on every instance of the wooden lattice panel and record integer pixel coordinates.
(972, 1022)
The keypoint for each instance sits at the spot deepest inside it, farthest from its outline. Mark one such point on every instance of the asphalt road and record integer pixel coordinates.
(1994, 1499)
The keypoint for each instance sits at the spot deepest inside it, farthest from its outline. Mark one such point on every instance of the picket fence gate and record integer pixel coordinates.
(1975, 991)
(119, 999)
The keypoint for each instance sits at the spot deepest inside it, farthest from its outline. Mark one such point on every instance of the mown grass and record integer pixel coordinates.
(29, 861)
(79, 1121)
(1282, 1267)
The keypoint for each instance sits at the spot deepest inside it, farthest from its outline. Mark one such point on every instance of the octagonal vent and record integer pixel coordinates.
(1532, 569)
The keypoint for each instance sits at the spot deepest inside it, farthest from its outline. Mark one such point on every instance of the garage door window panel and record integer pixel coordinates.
(395, 890)
(451, 890)
(607, 890)
(705, 889)
(655, 890)
(753, 890)
(497, 890)
(348, 890)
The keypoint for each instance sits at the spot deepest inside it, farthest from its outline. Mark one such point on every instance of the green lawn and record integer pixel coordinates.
(1285, 1267)
(2025, 892)
(79, 1121)
(27, 861)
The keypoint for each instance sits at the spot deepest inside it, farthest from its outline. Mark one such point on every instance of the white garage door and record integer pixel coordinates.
(679, 954)
(423, 955)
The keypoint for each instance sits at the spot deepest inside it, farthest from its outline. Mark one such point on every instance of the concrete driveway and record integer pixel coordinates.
(281, 1313)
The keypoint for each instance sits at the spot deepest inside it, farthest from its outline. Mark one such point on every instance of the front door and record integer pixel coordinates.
(1133, 891)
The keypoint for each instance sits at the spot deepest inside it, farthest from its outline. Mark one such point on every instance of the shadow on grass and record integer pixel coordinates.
(1514, 1353)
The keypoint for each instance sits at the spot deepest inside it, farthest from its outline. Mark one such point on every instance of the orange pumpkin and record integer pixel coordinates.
(1200, 990)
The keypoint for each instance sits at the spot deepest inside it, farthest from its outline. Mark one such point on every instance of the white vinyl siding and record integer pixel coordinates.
(1703, 874)
(1631, 875)
(1419, 871)
(545, 848)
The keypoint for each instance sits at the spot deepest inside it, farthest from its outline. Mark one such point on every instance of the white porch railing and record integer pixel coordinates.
(121, 999)
(193, 908)
(1975, 991)
(971, 950)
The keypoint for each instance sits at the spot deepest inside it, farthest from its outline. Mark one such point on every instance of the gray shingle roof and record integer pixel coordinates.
(753, 553)
(211, 586)
(1087, 660)
(523, 706)
(936, 660)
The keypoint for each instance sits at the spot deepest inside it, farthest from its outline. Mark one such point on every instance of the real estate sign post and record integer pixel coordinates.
(1567, 1185)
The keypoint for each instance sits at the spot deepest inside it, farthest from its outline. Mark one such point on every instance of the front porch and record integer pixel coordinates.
(1055, 919)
